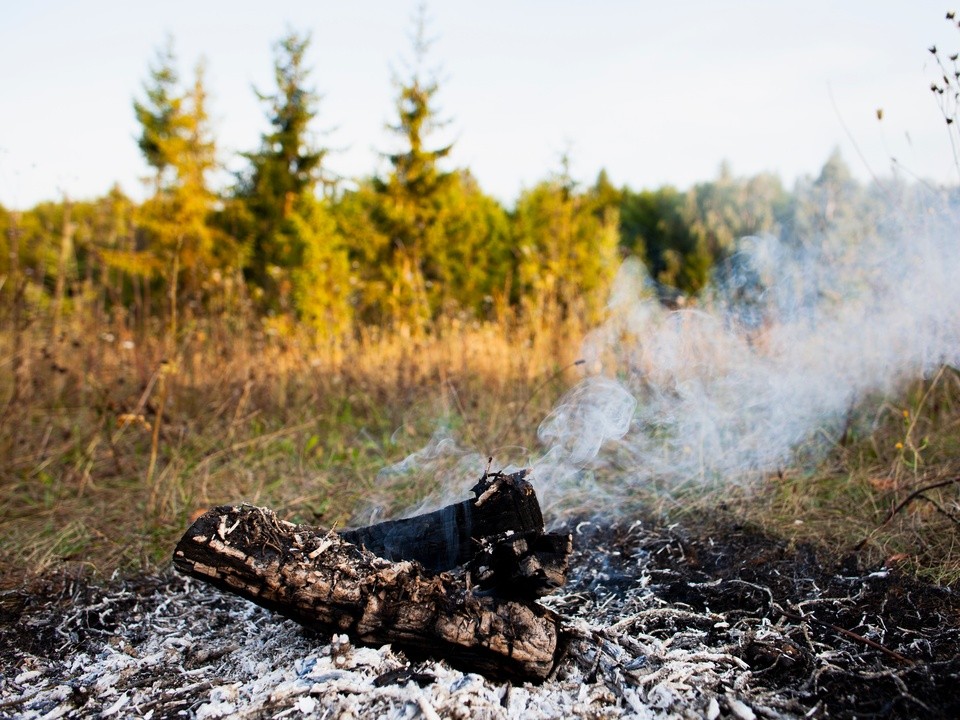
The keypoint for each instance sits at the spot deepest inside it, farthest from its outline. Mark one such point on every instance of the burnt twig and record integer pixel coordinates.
(846, 633)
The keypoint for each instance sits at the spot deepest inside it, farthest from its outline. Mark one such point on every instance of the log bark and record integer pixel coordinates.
(323, 581)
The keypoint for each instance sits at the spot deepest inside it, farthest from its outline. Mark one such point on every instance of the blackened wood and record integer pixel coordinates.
(324, 582)
(521, 565)
(450, 537)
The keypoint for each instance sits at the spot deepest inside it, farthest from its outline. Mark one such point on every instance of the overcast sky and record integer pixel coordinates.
(655, 92)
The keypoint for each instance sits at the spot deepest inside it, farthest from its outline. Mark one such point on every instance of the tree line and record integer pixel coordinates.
(400, 249)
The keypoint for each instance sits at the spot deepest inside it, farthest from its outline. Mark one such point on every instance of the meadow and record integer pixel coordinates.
(782, 358)
(112, 439)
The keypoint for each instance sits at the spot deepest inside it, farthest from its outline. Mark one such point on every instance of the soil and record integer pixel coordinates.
(662, 622)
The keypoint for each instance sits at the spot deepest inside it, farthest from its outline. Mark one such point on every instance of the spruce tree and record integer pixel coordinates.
(566, 242)
(411, 196)
(297, 260)
(158, 113)
(285, 169)
(176, 141)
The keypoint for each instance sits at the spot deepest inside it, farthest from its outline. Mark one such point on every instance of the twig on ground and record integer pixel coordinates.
(846, 633)
(902, 504)
(940, 509)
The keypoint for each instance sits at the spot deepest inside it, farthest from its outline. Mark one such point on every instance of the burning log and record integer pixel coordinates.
(458, 583)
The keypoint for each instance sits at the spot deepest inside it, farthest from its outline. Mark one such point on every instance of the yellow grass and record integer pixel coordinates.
(114, 439)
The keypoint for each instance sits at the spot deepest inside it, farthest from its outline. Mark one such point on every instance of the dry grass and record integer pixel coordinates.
(888, 493)
(114, 440)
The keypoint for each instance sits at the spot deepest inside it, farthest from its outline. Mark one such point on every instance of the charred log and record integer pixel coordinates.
(498, 536)
(323, 581)
(448, 538)
(521, 565)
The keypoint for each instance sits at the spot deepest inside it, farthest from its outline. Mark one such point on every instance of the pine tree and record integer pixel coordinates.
(177, 141)
(682, 236)
(358, 214)
(321, 282)
(829, 203)
(653, 229)
(468, 252)
(158, 114)
(567, 243)
(723, 211)
(283, 171)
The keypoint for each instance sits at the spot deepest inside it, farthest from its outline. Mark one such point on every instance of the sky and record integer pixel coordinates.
(654, 92)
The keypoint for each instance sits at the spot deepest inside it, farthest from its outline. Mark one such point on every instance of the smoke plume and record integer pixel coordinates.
(792, 335)
(762, 372)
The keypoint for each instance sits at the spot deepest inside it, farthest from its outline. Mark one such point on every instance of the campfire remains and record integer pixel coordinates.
(664, 622)
(460, 583)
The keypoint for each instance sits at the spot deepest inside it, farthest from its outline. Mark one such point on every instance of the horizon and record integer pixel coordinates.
(654, 95)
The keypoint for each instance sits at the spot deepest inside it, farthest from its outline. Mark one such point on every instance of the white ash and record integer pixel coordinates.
(185, 649)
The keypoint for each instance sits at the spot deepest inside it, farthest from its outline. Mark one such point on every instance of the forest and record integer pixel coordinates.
(286, 243)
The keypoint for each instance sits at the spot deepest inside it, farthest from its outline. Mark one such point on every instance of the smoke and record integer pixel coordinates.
(595, 411)
(791, 336)
(453, 468)
(765, 371)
